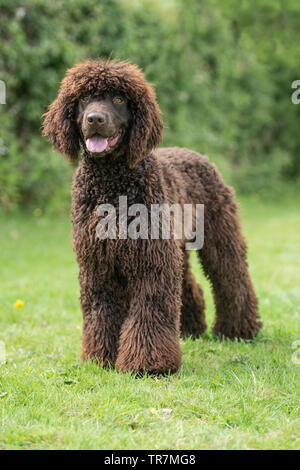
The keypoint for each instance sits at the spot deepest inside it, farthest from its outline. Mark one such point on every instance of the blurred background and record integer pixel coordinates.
(222, 71)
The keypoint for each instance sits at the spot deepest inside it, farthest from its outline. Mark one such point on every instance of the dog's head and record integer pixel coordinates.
(108, 108)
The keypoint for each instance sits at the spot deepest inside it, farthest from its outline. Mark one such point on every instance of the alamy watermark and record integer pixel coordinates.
(296, 95)
(296, 354)
(2, 352)
(162, 221)
(2, 92)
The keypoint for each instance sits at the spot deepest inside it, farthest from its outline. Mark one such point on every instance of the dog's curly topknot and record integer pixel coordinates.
(99, 76)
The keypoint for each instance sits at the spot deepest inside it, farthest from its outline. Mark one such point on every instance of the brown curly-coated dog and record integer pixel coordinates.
(138, 296)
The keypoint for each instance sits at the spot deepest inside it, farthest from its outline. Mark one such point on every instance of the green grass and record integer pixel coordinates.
(227, 395)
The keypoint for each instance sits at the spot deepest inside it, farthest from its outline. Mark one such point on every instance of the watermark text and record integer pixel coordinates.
(161, 221)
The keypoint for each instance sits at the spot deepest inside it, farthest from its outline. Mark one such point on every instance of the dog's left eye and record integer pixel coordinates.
(117, 99)
(85, 99)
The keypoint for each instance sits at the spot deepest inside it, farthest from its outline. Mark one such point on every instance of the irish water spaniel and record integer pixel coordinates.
(139, 295)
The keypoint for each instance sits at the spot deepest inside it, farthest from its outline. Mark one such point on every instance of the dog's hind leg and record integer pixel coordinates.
(192, 320)
(224, 259)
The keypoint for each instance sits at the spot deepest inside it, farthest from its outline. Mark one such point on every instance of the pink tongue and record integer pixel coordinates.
(96, 144)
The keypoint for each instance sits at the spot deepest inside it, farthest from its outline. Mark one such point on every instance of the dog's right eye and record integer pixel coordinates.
(85, 99)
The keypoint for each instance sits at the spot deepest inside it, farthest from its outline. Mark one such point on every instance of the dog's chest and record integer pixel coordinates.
(105, 216)
(108, 229)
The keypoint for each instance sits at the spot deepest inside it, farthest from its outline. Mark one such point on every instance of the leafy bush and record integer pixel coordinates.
(222, 70)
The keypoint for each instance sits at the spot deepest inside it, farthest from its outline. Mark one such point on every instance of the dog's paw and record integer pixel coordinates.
(152, 362)
(246, 330)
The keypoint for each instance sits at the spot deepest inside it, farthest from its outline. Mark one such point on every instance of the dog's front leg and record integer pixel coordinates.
(149, 339)
(103, 312)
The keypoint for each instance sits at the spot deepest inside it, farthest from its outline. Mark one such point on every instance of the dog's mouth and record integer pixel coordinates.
(102, 145)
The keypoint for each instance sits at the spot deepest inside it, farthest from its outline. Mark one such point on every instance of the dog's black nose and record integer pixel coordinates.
(96, 118)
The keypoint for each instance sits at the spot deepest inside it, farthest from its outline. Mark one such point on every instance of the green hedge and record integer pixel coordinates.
(222, 71)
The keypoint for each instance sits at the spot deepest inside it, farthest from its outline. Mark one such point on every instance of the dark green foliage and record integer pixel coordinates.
(222, 71)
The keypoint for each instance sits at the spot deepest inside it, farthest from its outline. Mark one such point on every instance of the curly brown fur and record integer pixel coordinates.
(136, 295)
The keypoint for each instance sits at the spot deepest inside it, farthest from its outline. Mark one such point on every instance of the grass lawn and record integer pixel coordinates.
(227, 395)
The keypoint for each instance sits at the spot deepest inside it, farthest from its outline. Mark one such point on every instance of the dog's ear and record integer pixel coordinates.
(146, 127)
(60, 126)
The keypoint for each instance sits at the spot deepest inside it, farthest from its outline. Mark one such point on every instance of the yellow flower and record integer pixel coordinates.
(153, 411)
(19, 304)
